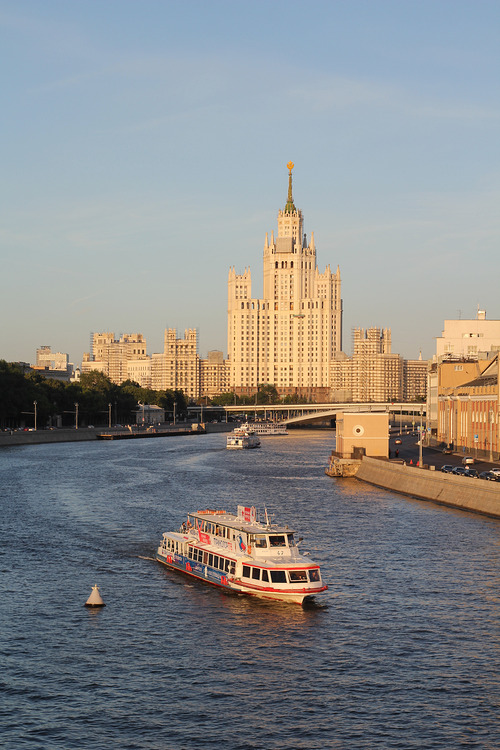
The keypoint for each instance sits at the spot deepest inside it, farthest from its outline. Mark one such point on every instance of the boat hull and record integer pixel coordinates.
(218, 578)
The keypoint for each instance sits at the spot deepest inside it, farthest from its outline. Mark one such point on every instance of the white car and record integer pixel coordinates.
(495, 471)
(467, 460)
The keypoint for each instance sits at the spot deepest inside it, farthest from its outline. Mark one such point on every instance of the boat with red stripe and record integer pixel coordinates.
(243, 552)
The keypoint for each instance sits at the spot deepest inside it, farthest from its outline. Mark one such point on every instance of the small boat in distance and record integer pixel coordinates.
(242, 552)
(242, 437)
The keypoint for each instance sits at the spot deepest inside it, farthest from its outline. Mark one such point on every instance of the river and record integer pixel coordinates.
(402, 651)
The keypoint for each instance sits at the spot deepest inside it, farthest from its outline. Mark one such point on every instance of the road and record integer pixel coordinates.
(409, 451)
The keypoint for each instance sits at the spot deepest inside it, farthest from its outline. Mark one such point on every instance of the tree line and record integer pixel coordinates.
(94, 398)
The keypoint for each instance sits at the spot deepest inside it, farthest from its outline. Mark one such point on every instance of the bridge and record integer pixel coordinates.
(289, 414)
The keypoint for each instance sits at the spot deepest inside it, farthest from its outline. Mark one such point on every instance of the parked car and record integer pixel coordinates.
(489, 476)
(447, 468)
(471, 473)
(467, 460)
(495, 471)
(460, 470)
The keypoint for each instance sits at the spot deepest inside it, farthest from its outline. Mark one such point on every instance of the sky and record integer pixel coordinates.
(144, 149)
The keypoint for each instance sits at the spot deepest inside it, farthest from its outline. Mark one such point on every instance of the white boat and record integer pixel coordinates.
(242, 437)
(267, 428)
(244, 553)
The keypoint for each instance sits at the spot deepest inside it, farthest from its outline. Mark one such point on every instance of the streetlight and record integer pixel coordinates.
(34, 404)
(491, 435)
(420, 441)
(76, 415)
(109, 414)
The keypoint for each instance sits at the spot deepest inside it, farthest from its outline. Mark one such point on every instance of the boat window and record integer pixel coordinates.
(246, 571)
(291, 542)
(205, 558)
(256, 574)
(277, 541)
(265, 577)
(314, 575)
(227, 565)
(216, 561)
(260, 541)
(210, 559)
(297, 576)
(278, 576)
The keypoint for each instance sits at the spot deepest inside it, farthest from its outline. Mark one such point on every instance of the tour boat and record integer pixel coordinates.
(242, 437)
(242, 552)
(266, 428)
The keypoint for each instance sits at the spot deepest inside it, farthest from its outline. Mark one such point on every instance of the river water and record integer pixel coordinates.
(402, 651)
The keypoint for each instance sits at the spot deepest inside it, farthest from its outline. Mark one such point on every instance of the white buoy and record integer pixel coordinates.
(95, 599)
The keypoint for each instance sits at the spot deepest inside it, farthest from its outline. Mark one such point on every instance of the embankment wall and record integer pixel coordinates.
(474, 495)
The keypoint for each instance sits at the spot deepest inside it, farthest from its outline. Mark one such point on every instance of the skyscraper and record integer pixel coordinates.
(288, 337)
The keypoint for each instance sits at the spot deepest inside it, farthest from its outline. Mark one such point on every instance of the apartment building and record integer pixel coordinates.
(290, 335)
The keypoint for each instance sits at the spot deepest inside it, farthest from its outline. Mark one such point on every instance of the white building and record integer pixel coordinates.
(468, 338)
(289, 337)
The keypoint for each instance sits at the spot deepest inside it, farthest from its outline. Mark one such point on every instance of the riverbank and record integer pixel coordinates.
(85, 434)
(475, 495)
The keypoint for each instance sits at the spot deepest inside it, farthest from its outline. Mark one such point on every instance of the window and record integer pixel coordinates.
(314, 575)
(297, 576)
(265, 577)
(260, 541)
(277, 541)
(256, 574)
(246, 571)
(277, 576)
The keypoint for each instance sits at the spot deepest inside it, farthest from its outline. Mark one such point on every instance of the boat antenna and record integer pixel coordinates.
(267, 519)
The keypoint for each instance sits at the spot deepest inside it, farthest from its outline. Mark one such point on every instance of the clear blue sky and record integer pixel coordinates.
(144, 150)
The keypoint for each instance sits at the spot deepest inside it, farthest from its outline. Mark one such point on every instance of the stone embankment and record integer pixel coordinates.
(476, 495)
(86, 434)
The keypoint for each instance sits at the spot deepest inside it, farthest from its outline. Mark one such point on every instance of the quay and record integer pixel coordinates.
(425, 483)
(85, 434)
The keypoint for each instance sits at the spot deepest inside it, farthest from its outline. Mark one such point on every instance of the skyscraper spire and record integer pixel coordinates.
(290, 206)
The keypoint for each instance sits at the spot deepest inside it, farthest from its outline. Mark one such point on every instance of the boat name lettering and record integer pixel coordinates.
(204, 538)
(223, 543)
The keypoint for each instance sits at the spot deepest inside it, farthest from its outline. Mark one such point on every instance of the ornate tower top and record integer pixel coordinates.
(290, 206)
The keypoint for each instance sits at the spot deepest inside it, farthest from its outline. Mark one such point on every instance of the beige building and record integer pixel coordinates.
(362, 433)
(372, 373)
(178, 367)
(289, 337)
(111, 356)
(468, 412)
(46, 358)
(468, 338)
(415, 379)
(214, 375)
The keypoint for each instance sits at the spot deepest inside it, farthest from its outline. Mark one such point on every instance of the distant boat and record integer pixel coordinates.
(267, 428)
(242, 437)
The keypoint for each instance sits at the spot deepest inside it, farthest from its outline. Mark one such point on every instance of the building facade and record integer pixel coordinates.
(214, 375)
(289, 337)
(178, 367)
(468, 414)
(111, 356)
(373, 373)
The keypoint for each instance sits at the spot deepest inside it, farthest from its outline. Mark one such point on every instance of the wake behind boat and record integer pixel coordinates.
(244, 553)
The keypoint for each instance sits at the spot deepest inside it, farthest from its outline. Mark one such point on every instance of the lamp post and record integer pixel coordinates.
(491, 435)
(76, 415)
(420, 441)
(109, 415)
(174, 412)
(34, 404)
